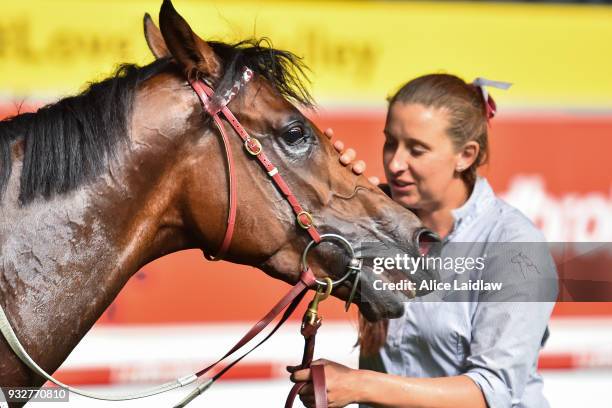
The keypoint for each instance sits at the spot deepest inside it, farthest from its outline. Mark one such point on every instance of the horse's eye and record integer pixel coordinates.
(294, 135)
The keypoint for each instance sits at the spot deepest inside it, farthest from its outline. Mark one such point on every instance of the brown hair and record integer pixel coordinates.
(468, 121)
(466, 106)
(372, 335)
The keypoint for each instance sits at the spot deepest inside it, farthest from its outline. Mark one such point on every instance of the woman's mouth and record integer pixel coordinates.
(402, 185)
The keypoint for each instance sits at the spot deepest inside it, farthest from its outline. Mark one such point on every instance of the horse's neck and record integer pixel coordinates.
(63, 261)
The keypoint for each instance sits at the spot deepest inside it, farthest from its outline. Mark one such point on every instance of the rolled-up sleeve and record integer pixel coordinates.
(508, 326)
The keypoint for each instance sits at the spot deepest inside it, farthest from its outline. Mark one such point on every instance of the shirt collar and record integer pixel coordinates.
(482, 196)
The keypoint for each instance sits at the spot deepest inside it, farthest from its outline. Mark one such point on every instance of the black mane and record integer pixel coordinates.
(69, 142)
(283, 69)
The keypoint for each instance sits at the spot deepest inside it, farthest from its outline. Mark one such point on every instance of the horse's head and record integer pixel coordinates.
(266, 234)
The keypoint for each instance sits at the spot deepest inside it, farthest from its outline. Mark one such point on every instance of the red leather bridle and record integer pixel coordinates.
(216, 105)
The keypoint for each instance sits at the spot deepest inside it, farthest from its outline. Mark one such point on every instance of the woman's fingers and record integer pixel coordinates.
(307, 395)
(308, 401)
(374, 180)
(307, 390)
(294, 368)
(359, 167)
(348, 156)
(339, 146)
(300, 375)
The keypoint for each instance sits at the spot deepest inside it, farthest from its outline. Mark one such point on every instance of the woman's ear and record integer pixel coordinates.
(154, 38)
(467, 156)
(195, 56)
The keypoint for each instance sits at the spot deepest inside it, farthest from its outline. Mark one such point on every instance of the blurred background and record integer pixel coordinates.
(551, 146)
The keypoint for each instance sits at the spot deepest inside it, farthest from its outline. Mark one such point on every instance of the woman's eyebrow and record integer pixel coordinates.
(414, 141)
(408, 140)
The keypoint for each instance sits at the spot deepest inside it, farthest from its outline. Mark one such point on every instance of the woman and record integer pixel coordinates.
(475, 353)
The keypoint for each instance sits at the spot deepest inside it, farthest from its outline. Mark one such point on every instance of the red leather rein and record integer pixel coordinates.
(215, 105)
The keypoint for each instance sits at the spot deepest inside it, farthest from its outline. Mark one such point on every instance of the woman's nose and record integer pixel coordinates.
(399, 162)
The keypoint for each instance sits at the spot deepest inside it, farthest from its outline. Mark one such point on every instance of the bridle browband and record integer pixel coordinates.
(215, 105)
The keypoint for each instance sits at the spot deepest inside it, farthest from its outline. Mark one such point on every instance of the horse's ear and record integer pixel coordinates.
(193, 53)
(154, 38)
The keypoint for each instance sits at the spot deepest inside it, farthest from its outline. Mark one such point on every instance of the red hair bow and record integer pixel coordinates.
(490, 105)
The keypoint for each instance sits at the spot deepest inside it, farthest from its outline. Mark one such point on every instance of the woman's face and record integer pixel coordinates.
(418, 155)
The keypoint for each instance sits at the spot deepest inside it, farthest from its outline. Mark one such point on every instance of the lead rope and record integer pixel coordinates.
(292, 301)
(19, 350)
(310, 325)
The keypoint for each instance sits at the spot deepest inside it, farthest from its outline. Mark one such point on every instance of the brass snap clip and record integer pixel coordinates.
(312, 314)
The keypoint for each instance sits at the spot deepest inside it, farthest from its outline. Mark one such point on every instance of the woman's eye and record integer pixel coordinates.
(294, 135)
(417, 151)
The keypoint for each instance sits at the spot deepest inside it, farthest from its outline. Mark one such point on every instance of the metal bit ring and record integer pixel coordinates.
(353, 267)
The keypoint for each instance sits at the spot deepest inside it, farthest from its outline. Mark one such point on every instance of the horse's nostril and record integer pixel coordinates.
(425, 239)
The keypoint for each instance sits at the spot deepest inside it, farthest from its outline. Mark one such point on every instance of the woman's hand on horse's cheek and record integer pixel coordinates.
(348, 156)
(359, 167)
(329, 132)
(339, 146)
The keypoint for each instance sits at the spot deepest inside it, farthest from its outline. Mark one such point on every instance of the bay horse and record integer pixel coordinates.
(97, 185)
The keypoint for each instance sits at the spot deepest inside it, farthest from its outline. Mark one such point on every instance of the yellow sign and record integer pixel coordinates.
(359, 52)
